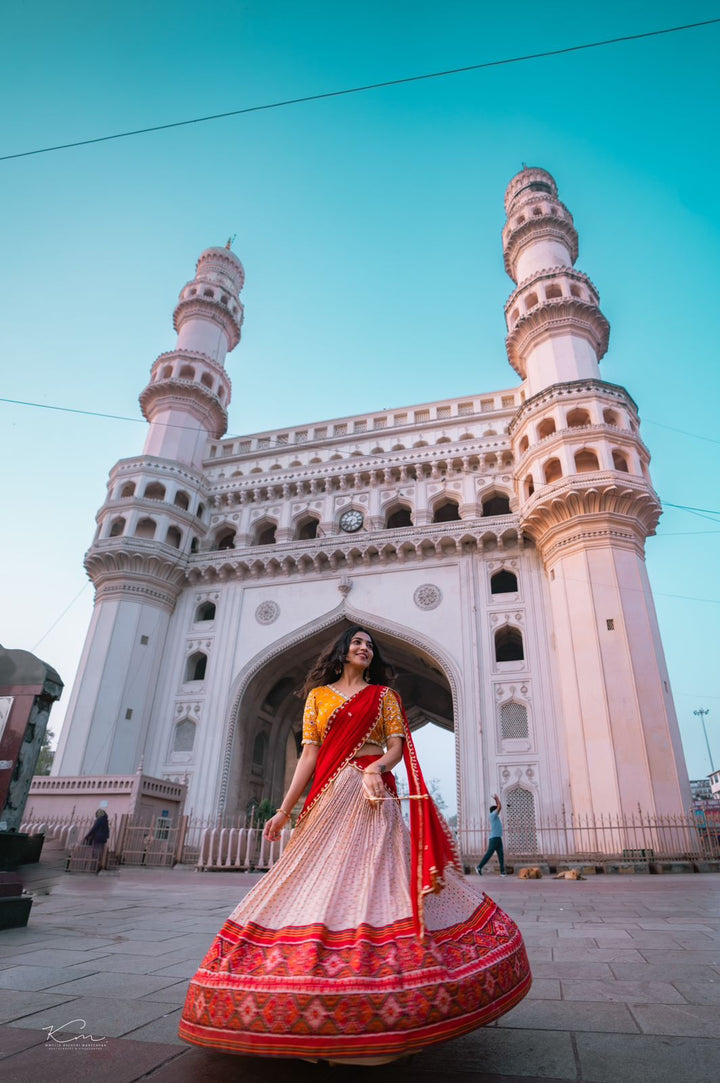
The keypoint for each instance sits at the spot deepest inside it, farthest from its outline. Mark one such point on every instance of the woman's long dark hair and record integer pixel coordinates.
(328, 666)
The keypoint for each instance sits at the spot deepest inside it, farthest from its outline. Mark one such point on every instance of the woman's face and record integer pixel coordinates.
(360, 650)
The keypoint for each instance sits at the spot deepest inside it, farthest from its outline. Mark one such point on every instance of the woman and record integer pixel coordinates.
(363, 942)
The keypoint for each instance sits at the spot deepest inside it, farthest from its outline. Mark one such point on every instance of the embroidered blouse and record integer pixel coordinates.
(321, 703)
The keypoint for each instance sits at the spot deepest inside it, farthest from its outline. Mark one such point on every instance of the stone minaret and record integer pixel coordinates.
(586, 500)
(153, 517)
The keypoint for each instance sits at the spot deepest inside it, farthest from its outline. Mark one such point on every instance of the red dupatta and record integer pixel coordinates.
(432, 845)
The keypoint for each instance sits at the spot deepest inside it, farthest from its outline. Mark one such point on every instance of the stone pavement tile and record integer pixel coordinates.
(568, 953)
(691, 1020)
(573, 969)
(121, 1062)
(172, 994)
(163, 1029)
(57, 957)
(663, 972)
(681, 955)
(114, 985)
(130, 947)
(643, 1057)
(36, 977)
(179, 969)
(14, 1005)
(596, 932)
(13, 1040)
(536, 1053)
(136, 964)
(102, 1017)
(640, 939)
(539, 954)
(545, 989)
(624, 992)
(570, 1015)
(700, 992)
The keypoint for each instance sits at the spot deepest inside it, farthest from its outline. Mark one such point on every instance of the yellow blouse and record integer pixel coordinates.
(321, 703)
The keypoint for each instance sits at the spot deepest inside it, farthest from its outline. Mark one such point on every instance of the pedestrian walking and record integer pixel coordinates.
(495, 843)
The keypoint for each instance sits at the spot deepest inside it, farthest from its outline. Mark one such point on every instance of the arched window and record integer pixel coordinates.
(196, 666)
(182, 500)
(207, 380)
(610, 417)
(447, 512)
(225, 538)
(154, 491)
(529, 485)
(577, 418)
(259, 750)
(546, 428)
(553, 292)
(194, 545)
(184, 737)
(167, 372)
(116, 528)
(495, 504)
(513, 721)
(620, 462)
(530, 301)
(399, 518)
(173, 537)
(307, 529)
(520, 824)
(200, 510)
(264, 533)
(509, 644)
(145, 529)
(127, 490)
(524, 444)
(586, 460)
(187, 372)
(503, 582)
(553, 471)
(205, 611)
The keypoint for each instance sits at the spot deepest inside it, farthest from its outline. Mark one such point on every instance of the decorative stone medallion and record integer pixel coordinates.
(427, 596)
(267, 612)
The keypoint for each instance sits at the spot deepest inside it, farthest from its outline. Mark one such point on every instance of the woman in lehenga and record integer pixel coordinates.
(363, 943)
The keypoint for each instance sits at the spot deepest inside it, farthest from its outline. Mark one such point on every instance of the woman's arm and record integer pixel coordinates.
(303, 773)
(373, 781)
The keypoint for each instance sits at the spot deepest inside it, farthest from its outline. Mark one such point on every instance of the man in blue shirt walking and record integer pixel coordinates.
(495, 845)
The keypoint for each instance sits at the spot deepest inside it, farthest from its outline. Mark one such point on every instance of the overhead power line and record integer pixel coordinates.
(362, 89)
(173, 425)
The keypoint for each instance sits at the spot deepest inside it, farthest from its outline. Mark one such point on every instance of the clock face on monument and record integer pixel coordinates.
(350, 521)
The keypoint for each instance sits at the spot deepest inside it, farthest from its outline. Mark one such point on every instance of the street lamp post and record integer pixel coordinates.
(700, 713)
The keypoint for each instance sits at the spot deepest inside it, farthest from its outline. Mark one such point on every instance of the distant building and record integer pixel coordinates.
(701, 789)
(714, 781)
(493, 542)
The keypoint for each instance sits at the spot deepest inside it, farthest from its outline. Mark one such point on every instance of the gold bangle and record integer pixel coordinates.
(288, 814)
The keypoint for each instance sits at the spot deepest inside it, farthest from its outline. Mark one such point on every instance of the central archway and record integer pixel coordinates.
(266, 719)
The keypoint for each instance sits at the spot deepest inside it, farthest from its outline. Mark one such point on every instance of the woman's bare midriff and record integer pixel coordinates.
(370, 750)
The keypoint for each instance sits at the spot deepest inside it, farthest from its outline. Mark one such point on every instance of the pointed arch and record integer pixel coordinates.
(435, 652)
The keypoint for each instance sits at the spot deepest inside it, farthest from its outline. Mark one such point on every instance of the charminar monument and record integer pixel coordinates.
(494, 543)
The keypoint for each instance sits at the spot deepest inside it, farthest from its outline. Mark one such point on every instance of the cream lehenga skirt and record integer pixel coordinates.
(321, 959)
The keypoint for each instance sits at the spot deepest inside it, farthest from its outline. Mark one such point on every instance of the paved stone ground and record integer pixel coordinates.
(626, 985)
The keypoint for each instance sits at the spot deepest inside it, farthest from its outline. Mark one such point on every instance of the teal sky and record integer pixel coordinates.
(369, 227)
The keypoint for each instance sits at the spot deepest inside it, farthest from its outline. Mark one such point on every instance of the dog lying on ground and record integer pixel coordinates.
(569, 874)
(533, 873)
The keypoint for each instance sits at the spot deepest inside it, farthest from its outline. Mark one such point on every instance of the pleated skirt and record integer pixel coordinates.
(321, 959)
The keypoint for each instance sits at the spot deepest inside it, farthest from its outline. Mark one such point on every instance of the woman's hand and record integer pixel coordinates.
(275, 825)
(373, 783)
